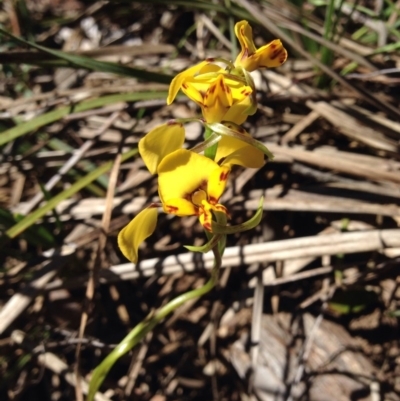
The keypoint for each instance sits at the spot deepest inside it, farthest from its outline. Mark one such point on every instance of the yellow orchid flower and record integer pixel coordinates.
(250, 58)
(220, 94)
(189, 185)
(166, 138)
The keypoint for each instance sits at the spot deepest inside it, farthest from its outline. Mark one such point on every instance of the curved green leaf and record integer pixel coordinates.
(248, 225)
(206, 247)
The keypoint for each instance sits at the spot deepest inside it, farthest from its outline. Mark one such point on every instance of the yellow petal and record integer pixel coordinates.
(271, 55)
(210, 68)
(179, 207)
(196, 87)
(244, 33)
(160, 142)
(238, 89)
(140, 228)
(217, 183)
(217, 100)
(177, 82)
(239, 112)
(234, 151)
(181, 173)
(206, 218)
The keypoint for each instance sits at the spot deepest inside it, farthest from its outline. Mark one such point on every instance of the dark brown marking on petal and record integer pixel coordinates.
(276, 53)
(171, 209)
(203, 184)
(207, 221)
(210, 59)
(224, 176)
(212, 200)
(211, 89)
(185, 86)
(272, 46)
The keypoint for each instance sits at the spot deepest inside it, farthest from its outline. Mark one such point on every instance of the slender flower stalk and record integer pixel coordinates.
(148, 324)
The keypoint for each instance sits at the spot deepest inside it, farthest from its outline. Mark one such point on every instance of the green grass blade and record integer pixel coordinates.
(52, 203)
(95, 65)
(85, 165)
(327, 55)
(61, 112)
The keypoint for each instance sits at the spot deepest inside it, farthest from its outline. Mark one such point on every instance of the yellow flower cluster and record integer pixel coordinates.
(191, 183)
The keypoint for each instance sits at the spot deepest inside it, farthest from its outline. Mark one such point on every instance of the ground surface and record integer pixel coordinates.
(308, 303)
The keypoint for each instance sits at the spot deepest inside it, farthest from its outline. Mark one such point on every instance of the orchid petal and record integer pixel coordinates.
(231, 130)
(217, 100)
(177, 82)
(206, 218)
(244, 33)
(239, 112)
(160, 142)
(182, 172)
(217, 183)
(236, 152)
(179, 207)
(271, 55)
(132, 235)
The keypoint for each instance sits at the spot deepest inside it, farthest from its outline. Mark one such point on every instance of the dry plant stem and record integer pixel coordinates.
(294, 248)
(28, 292)
(136, 364)
(148, 324)
(58, 366)
(93, 278)
(53, 363)
(328, 291)
(331, 162)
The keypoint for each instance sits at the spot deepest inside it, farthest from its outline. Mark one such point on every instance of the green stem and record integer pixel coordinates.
(326, 53)
(148, 324)
(212, 150)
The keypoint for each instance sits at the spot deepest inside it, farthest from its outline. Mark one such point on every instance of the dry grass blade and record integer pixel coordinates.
(100, 260)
